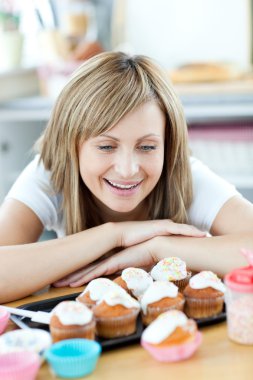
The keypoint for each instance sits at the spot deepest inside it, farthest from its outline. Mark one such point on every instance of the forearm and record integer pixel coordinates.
(25, 269)
(220, 254)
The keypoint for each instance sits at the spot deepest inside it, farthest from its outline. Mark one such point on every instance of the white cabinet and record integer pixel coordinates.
(21, 123)
(16, 142)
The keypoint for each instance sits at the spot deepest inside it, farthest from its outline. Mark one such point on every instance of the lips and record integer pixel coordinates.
(122, 186)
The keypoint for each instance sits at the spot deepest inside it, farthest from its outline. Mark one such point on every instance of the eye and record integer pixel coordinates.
(147, 148)
(106, 148)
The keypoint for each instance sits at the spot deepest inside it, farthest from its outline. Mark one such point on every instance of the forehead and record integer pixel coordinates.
(147, 119)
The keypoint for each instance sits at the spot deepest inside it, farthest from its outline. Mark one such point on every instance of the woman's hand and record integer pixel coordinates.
(139, 255)
(131, 233)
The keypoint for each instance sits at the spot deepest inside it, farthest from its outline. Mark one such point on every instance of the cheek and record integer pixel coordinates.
(154, 167)
(91, 168)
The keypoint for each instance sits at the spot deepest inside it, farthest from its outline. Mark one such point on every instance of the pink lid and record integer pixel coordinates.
(241, 279)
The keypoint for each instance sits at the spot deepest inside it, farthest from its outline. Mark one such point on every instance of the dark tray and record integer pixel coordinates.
(48, 304)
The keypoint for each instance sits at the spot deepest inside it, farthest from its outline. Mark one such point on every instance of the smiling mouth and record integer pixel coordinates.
(120, 186)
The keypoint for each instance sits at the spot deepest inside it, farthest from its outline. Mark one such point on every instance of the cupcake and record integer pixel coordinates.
(158, 298)
(171, 337)
(135, 281)
(116, 315)
(71, 319)
(95, 291)
(204, 295)
(172, 269)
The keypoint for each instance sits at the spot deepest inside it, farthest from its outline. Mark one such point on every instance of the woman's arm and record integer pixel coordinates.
(233, 230)
(27, 266)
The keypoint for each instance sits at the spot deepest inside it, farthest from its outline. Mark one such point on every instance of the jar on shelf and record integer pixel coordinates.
(239, 302)
(78, 20)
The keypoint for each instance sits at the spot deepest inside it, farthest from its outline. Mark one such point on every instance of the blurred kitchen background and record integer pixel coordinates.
(205, 46)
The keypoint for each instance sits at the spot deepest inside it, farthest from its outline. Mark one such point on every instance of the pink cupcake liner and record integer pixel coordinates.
(22, 365)
(4, 318)
(174, 353)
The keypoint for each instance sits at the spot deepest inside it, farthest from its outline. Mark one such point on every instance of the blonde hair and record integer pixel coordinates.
(99, 93)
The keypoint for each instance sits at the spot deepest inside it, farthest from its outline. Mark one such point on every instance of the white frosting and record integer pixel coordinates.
(36, 340)
(157, 291)
(137, 280)
(169, 269)
(99, 287)
(163, 326)
(116, 297)
(207, 279)
(72, 313)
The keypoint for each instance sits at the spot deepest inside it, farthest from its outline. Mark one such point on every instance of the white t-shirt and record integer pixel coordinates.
(33, 188)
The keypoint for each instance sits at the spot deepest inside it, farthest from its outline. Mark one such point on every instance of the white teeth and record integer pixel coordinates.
(122, 186)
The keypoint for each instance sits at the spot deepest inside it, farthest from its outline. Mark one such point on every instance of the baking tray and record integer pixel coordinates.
(107, 344)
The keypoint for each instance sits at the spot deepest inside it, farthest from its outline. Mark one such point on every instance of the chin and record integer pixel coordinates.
(122, 209)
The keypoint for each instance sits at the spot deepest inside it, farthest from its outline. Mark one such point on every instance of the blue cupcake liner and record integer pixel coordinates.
(73, 357)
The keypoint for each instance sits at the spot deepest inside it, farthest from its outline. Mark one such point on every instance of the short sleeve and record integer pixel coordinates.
(33, 189)
(210, 193)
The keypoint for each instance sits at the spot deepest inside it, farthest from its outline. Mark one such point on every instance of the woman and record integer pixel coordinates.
(114, 174)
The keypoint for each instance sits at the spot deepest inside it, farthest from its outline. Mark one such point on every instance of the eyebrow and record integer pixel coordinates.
(141, 138)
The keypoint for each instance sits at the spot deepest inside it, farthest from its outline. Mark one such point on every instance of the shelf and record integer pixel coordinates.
(223, 112)
(17, 83)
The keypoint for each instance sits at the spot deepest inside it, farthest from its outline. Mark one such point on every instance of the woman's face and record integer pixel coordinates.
(122, 166)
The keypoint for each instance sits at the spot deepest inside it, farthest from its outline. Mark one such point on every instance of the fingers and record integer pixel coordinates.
(136, 256)
(138, 232)
(184, 229)
(73, 277)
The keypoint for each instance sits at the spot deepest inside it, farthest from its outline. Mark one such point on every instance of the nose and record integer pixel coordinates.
(126, 164)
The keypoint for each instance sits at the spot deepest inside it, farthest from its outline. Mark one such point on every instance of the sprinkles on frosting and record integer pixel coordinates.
(169, 269)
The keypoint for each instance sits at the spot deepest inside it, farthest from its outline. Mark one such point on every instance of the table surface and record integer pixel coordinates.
(216, 358)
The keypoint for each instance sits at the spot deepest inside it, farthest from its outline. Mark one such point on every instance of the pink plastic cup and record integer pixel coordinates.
(22, 365)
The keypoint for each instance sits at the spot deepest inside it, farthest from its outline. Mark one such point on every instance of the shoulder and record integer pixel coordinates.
(210, 192)
(33, 187)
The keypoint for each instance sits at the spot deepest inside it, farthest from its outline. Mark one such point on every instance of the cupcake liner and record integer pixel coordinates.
(74, 357)
(181, 284)
(4, 318)
(73, 331)
(22, 365)
(153, 311)
(174, 353)
(112, 327)
(203, 307)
